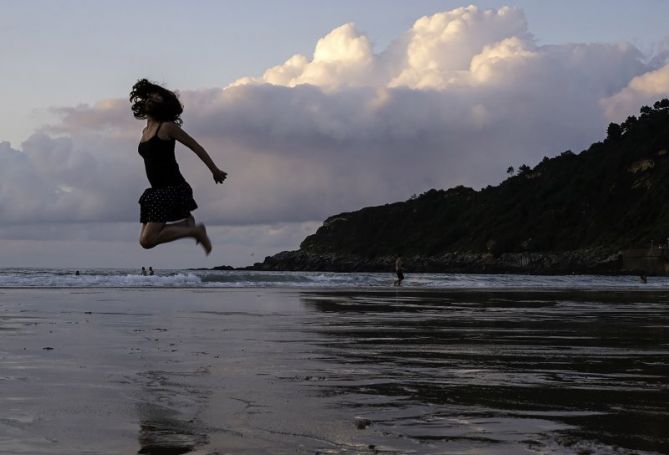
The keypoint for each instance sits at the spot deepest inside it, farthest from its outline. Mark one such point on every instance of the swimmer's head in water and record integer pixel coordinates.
(149, 99)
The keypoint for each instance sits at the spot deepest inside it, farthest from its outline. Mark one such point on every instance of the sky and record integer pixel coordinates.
(313, 108)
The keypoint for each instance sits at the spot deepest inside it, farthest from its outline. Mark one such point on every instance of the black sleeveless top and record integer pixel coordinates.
(161, 165)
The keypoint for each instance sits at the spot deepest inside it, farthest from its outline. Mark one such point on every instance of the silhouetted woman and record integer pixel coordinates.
(170, 198)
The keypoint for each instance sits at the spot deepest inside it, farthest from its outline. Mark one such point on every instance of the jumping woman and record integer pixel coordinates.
(170, 198)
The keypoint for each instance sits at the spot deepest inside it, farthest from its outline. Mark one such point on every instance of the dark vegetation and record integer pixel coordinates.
(610, 197)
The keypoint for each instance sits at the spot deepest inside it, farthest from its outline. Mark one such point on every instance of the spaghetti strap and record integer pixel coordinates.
(158, 129)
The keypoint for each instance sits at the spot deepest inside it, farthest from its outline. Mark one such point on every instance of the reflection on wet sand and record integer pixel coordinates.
(484, 369)
(256, 371)
(167, 413)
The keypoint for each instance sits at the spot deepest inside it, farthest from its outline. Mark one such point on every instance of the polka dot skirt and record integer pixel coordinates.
(169, 203)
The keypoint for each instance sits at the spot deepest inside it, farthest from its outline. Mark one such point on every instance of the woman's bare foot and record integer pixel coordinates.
(190, 222)
(202, 237)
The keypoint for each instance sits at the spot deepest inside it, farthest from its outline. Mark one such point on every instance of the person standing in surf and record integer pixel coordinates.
(165, 208)
(399, 270)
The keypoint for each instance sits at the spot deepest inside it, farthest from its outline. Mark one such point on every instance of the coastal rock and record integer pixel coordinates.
(568, 262)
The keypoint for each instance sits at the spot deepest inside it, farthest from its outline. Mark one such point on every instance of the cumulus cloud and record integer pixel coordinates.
(644, 89)
(442, 46)
(22, 189)
(454, 100)
(343, 56)
(79, 177)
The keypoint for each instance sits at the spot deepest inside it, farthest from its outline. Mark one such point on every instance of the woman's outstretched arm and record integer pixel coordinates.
(175, 132)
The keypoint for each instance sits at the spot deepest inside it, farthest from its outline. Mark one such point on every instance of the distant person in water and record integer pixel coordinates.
(143, 271)
(170, 198)
(77, 273)
(399, 270)
(151, 271)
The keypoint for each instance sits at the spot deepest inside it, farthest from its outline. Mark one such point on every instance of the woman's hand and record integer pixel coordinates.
(219, 175)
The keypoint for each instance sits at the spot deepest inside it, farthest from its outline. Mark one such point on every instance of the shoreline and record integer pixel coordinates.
(385, 289)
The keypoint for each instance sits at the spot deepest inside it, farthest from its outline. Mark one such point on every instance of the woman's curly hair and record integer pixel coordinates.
(169, 110)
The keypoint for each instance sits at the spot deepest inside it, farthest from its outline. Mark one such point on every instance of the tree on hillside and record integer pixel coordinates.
(614, 132)
(662, 104)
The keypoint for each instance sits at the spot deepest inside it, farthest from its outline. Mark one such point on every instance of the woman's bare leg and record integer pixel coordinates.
(156, 233)
(189, 222)
(141, 232)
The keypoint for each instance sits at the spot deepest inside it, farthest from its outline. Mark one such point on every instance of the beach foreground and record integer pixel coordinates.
(170, 371)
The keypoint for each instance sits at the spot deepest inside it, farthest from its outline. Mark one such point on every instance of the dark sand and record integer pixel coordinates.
(170, 371)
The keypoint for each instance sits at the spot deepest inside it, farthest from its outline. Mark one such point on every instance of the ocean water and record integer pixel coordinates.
(95, 278)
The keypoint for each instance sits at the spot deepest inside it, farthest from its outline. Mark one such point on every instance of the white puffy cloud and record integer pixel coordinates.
(499, 59)
(641, 90)
(442, 46)
(433, 54)
(343, 56)
(454, 100)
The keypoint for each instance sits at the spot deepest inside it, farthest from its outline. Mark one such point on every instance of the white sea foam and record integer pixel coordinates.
(93, 278)
(46, 278)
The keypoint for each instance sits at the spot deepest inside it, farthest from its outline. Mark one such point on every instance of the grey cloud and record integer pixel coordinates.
(306, 146)
(80, 245)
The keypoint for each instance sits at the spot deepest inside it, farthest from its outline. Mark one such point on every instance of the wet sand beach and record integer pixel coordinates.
(285, 371)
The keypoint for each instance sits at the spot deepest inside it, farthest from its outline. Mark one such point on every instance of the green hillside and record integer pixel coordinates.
(608, 198)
